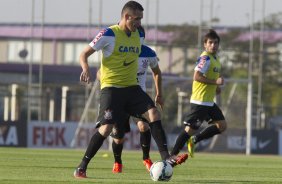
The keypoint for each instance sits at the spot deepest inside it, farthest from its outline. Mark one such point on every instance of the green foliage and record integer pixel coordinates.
(272, 21)
(272, 95)
(186, 34)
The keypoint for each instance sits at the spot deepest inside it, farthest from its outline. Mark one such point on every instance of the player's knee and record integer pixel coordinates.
(119, 141)
(221, 125)
(193, 124)
(142, 126)
(154, 114)
(105, 130)
(190, 131)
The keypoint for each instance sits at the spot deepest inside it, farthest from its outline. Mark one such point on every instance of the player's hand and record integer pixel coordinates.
(220, 81)
(159, 101)
(85, 76)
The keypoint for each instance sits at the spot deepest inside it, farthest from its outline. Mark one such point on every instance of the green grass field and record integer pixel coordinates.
(21, 165)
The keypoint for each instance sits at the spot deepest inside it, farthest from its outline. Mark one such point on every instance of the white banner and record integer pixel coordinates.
(50, 135)
(60, 135)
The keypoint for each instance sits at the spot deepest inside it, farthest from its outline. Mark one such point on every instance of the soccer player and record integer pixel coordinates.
(120, 93)
(147, 58)
(206, 84)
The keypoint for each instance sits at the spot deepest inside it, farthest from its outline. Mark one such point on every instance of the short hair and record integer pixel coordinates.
(211, 35)
(142, 30)
(132, 5)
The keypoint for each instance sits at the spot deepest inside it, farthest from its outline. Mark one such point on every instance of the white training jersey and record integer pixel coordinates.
(147, 58)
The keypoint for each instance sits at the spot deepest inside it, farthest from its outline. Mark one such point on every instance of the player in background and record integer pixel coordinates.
(206, 84)
(147, 58)
(120, 93)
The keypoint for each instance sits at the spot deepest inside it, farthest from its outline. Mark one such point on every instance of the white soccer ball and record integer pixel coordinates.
(161, 171)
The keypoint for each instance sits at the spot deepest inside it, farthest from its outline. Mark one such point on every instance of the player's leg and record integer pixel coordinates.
(192, 123)
(181, 140)
(210, 131)
(157, 131)
(217, 125)
(142, 104)
(145, 142)
(108, 114)
(159, 136)
(117, 146)
(206, 133)
(94, 145)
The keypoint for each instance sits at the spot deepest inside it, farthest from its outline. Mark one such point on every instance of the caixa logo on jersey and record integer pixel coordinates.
(131, 49)
(13, 134)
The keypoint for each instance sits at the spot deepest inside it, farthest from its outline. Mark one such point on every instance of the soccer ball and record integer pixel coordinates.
(161, 171)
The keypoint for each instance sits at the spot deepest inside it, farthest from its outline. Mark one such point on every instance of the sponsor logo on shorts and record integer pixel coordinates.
(198, 123)
(108, 115)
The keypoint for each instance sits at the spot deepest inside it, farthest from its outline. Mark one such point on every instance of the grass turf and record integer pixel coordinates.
(21, 165)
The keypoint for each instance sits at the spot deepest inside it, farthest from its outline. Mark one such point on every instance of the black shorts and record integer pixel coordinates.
(117, 133)
(201, 113)
(116, 104)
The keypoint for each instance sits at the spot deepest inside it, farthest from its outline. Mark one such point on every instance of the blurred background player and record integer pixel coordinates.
(147, 58)
(206, 84)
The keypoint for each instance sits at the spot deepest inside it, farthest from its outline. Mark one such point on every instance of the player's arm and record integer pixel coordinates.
(218, 88)
(157, 76)
(83, 60)
(203, 65)
(98, 43)
(199, 76)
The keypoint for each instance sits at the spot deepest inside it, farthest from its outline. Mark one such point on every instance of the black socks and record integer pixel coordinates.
(117, 150)
(93, 146)
(182, 138)
(145, 141)
(206, 133)
(160, 138)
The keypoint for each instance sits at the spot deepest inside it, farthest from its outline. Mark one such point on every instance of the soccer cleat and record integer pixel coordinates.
(191, 146)
(148, 163)
(177, 160)
(117, 168)
(79, 173)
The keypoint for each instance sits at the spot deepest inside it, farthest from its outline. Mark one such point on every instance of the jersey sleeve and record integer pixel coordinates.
(153, 62)
(150, 54)
(102, 39)
(203, 64)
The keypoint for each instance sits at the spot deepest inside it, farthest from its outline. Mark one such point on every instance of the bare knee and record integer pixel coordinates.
(118, 141)
(105, 130)
(221, 125)
(154, 114)
(190, 131)
(142, 126)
